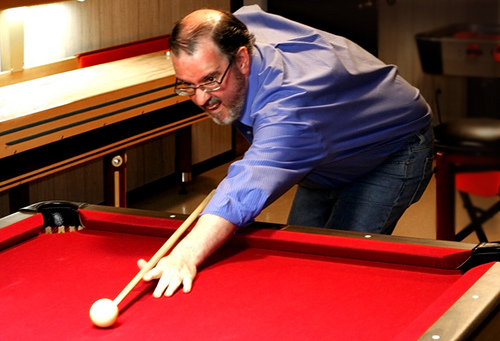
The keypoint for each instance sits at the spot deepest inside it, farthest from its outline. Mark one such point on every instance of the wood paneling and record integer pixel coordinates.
(74, 27)
(150, 161)
(60, 30)
(96, 24)
(210, 139)
(5, 4)
(83, 183)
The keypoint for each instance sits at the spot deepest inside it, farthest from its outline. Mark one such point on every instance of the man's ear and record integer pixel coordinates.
(243, 60)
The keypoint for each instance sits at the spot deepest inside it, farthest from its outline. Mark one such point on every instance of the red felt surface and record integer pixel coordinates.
(48, 284)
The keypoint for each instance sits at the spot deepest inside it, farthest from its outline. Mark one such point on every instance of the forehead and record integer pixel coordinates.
(193, 68)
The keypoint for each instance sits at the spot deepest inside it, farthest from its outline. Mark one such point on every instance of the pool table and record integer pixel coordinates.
(268, 282)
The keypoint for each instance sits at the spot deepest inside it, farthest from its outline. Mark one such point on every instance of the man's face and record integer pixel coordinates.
(207, 64)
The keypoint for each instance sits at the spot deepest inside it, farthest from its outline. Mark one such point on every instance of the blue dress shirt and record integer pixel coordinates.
(319, 111)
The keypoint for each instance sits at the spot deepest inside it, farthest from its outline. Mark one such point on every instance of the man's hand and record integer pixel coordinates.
(172, 272)
(180, 267)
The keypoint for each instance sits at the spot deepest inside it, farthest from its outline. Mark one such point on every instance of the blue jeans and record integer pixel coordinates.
(375, 202)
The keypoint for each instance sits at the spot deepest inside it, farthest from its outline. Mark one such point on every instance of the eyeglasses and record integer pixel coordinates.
(184, 90)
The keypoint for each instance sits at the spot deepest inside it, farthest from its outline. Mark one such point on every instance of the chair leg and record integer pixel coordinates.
(445, 199)
(478, 217)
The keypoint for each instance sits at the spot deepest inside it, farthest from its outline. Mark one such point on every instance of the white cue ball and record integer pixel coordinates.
(103, 313)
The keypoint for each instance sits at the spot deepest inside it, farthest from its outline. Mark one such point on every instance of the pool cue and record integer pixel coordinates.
(164, 249)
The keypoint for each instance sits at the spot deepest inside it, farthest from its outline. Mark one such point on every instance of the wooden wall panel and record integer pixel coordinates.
(82, 183)
(73, 27)
(150, 161)
(210, 139)
(5, 4)
(4, 204)
(96, 24)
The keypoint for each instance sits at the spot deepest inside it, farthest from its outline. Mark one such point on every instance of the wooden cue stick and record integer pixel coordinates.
(164, 249)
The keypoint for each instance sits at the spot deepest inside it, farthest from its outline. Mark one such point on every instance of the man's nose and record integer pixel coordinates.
(200, 97)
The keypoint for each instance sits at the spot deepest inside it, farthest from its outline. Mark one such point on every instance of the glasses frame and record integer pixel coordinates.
(191, 90)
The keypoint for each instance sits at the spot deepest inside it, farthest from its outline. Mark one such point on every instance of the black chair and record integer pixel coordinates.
(467, 159)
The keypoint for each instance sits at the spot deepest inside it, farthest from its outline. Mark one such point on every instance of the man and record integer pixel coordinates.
(318, 110)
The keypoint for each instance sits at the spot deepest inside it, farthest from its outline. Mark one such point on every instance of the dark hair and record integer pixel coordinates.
(228, 34)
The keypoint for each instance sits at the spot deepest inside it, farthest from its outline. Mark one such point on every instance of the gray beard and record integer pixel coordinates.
(236, 109)
(234, 114)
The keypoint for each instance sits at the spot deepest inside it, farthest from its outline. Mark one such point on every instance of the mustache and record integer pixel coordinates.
(211, 101)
